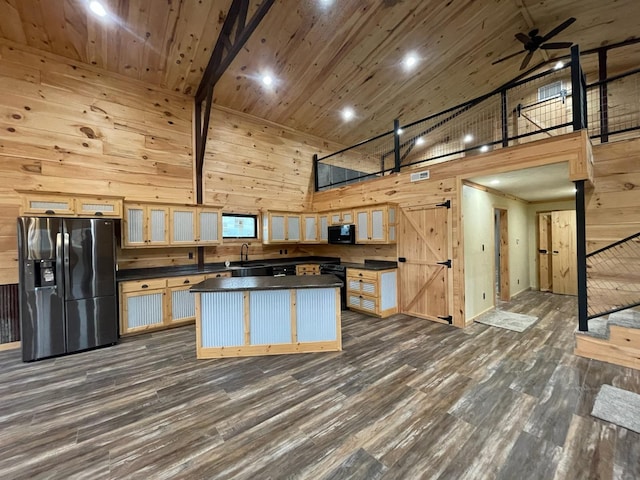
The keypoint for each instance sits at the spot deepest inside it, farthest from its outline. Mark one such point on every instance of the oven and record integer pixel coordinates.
(339, 271)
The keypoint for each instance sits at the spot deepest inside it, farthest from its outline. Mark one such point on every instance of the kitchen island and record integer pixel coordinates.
(248, 316)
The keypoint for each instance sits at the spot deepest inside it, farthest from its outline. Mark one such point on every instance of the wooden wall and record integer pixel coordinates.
(72, 128)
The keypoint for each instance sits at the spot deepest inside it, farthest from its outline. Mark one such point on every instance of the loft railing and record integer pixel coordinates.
(537, 107)
(613, 277)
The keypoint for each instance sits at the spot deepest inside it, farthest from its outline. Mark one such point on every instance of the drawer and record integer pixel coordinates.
(218, 275)
(307, 269)
(369, 274)
(187, 280)
(137, 285)
(362, 302)
(362, 285)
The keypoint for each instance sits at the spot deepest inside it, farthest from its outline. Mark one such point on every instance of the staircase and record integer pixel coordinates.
(613, 295)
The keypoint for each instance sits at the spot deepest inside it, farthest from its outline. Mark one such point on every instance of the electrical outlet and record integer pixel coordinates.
(484, 297)
(190, 255)
(518, 281)
(285, 251)
(483, 247)
(280, 251)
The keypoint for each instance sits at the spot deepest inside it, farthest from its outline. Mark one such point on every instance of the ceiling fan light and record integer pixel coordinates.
(558, 65)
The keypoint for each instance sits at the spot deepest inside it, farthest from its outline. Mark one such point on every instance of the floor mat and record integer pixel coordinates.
(618, 406)
(509, 320)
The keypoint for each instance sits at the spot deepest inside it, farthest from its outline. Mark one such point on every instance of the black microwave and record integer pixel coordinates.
(342, 234)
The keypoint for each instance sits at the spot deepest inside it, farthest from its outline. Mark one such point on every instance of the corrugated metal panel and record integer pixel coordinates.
(158, 227)
(316, 314)
(208, 226)
(183, 226)
(354, 300)
(368, 287)
(183, 304)
(222, 319)
(9, 313)
(144, 310)
(388, 290)
(135, 230)
(98, 207)
(376, 224)
(354, 285)
(49, 205)
(270, 317)
(392, 233)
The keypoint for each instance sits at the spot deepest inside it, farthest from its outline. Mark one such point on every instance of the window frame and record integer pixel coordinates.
(249, 216)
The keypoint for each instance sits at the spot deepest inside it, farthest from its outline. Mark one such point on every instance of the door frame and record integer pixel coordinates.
(503, 258)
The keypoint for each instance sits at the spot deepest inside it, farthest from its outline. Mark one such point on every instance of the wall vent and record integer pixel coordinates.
(416, 177)
(552, 90)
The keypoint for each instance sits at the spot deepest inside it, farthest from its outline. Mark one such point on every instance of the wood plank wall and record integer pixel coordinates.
(613, 203)
(72, 128)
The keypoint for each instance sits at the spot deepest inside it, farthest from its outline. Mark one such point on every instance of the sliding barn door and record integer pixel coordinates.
(564, 260)
(424, 240)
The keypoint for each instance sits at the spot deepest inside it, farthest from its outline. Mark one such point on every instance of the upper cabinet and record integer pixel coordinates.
(281, 227)
(341, 217)
(376, 224)
(70, 205)
(195, 225)
(145, 225)
(310, 228)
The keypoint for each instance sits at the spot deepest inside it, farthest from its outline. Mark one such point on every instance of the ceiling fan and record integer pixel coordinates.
(533, 42)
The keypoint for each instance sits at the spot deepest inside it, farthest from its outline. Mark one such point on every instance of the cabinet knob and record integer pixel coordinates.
(186, 281)
(360, 274)
(144, 286)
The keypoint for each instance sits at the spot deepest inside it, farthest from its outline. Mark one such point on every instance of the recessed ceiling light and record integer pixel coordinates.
(399, 131)
(484, 148)
(419, 141)
(495, 182)
(468, 138)
(558, 65)
(410, 61)
(267, 80)
(348, 114)
(97, 8)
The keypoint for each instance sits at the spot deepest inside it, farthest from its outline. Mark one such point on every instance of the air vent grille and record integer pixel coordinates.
(552, 90)
(416, 177)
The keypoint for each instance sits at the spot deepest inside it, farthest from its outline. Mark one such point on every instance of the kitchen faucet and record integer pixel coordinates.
(244, 257)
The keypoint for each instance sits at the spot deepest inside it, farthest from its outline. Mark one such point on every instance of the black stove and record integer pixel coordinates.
(339, 271)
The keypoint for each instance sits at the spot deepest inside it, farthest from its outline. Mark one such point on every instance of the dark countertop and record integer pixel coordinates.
(229, 284)
(371, 265)
(177, 271)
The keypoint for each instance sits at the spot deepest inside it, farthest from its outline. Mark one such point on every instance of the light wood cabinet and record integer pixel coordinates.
(280, 227)
(308, 269)
(323, 224)
(341, 217)
(195, 225)
(376, 224)
(52, 204)
(159, 303)
(372, 292)
(145, 225)
(310, 228)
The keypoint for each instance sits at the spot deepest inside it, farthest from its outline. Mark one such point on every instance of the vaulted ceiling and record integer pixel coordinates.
(324, 54)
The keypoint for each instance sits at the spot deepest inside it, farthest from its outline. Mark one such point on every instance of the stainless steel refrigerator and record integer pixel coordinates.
(68, 296)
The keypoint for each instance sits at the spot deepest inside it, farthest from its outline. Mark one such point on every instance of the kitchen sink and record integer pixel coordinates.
(252, 271)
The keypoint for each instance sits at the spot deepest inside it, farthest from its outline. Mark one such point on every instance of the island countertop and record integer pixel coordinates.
(266, 283)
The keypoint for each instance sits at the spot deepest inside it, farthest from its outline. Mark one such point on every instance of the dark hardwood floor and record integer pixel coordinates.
(406, 399)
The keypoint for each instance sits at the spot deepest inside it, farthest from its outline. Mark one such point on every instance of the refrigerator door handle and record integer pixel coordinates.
(59, 268)
(66, 260)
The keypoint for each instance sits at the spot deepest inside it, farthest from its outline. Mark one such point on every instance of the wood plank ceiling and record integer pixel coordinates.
(323, 54)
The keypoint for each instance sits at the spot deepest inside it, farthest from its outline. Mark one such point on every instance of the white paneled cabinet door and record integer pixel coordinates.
(183, 226)
(323, 224)
(209, 226)
(377, 225)
(134, 231)
(277, 233)
(310, 231)
(158, 218)
(391, 228)
(293, 228)
(362, 226)
(143, 310)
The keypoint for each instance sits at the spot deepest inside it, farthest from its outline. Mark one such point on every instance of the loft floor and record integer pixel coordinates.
(405, 399)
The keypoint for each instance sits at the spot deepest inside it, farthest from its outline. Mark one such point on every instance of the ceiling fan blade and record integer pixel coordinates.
(526, 61)
(556, 45)
(506, 58)
(523, 38)
(558, 29)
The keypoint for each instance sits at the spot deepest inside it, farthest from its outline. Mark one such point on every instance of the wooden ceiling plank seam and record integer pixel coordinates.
(10, 23)
(34, 26)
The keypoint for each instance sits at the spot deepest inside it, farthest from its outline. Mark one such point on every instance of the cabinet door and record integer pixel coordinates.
(323, 224)
(347, 216)
(335, 218)
(391, 227)
(293, 228)
(182, 305)
(36, 204)
(377, 225)
(96, 206)
(310, 228)
(142, 310)
(183, 226)
(276, 232)
(362, 226)
(158, 218)
(208, 226)
(134, 231)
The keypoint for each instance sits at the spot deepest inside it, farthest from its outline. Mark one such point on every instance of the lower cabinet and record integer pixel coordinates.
(308, 269)
(372, 291)
(155, 304)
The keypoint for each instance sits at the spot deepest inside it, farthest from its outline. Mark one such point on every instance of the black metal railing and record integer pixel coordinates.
(613, 277)
(537, 107)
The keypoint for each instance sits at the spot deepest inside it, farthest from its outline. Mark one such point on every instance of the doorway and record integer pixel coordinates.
(501, 248)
